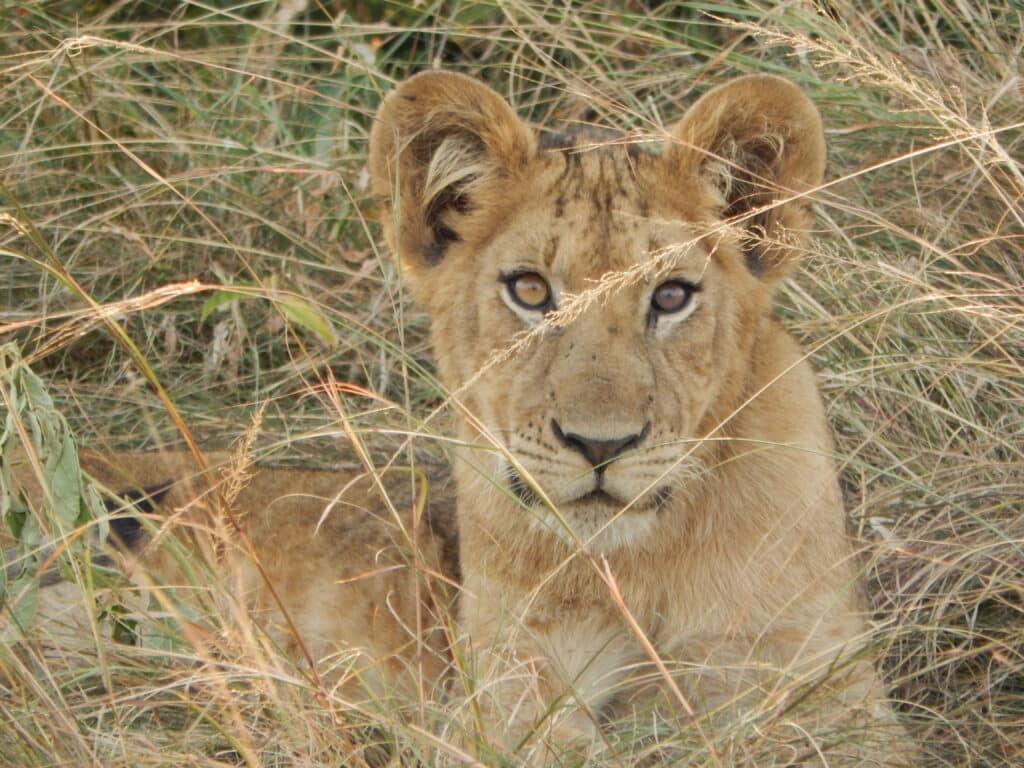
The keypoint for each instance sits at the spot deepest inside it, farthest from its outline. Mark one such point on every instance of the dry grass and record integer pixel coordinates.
(154, 155)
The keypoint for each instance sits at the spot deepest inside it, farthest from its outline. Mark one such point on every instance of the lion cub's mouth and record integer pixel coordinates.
(596, 498)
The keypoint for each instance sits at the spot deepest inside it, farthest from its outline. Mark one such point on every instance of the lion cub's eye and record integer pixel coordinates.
(672, 296)
(529, 290)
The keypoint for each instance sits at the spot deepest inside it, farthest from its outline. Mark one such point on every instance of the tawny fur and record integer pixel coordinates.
(364, 583)
(742, 579)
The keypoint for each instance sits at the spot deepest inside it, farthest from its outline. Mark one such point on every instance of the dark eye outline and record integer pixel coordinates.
(689, 288)
(509, 280)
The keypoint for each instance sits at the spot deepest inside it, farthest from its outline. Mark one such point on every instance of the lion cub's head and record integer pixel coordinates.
(632, 280)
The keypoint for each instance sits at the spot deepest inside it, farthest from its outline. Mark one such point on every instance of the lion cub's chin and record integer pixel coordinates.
(597, 525)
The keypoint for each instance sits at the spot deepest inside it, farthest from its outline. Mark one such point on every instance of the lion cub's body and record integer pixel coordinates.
(335, 567)
(659, 502)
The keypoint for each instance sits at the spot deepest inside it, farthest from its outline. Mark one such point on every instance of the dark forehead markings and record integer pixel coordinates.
(643, 206)
(609, 193)
(550, 251)
(602, 174)
(637, 162)
(573, 143)
(569, 181)
(616, 191)
(606, 179)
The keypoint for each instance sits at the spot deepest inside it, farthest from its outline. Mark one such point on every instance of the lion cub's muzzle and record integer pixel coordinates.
(596, 488)
(599, 453)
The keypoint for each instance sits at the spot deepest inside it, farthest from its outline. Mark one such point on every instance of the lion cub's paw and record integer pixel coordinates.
(566, 738)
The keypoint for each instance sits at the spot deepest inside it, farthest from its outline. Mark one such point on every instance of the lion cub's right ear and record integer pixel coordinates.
(443, 146)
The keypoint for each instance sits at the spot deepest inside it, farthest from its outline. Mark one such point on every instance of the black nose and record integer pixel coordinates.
(598, 452)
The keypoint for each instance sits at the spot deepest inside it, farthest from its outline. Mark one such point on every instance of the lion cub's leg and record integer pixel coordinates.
(826, 691)
(541, 687)
(775, 696)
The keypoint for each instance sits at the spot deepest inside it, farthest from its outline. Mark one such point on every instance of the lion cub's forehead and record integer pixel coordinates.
(596, 209)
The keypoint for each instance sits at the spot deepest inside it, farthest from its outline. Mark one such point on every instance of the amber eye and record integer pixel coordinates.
(672, 296)
(529, 290)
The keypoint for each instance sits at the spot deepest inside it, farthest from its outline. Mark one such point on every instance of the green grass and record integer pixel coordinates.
(154, 155)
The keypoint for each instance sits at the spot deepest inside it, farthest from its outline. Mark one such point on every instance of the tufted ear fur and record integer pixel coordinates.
(754, 141)
(443, 146)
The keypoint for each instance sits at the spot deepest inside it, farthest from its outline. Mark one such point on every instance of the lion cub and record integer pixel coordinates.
(647, 504)
(345, 570)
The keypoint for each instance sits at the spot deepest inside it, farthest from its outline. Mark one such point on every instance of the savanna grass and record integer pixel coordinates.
(185, 241)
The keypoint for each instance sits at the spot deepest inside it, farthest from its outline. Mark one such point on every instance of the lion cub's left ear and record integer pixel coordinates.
(443, 145)
(757, 144)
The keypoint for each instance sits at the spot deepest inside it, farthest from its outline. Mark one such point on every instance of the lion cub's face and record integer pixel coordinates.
(592, 310)
(596, 408)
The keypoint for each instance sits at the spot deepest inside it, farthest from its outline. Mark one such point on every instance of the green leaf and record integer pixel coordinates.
(48, 517)
(33, 388)
(295, 309)
(18, 604)
(219, 298)
(65, 482)
(305, 315)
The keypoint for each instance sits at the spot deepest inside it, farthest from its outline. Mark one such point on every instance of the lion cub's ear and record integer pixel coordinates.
(756, 141)
(443, 145)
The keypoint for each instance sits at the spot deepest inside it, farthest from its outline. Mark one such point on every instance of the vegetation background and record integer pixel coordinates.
(185, 239)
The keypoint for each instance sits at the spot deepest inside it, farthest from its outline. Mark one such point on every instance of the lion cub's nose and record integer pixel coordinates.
(598, 452)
